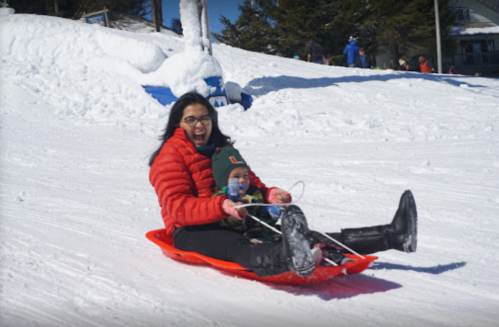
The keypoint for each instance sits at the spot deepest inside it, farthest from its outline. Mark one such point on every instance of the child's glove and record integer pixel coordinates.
(276, 196)
(240, 213)
(233, 190)
(274, 212)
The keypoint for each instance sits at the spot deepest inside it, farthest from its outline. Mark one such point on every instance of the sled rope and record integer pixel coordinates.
(286, 204)
(340, 244)
(276, 204)
(280, 233)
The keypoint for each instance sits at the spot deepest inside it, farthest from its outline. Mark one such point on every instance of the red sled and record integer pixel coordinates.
(319, 275)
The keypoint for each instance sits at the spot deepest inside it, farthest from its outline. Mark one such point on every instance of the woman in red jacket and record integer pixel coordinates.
(182, 177)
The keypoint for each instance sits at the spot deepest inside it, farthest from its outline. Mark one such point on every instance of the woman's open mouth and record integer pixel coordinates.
(199, 139)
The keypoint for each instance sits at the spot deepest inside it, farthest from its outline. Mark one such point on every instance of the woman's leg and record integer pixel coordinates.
(210, 240)
(400, 234)
(264, 259)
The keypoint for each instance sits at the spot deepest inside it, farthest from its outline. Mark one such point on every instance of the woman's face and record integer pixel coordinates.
(198, 133)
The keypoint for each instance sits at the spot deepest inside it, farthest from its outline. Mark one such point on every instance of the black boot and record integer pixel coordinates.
(401, 234)
(296, 246)
(404, 227)
(364, 240)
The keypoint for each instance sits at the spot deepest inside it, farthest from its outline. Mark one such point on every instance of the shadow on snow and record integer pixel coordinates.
(428, 270)
(264, 85)
(350, 286)
(341, 287)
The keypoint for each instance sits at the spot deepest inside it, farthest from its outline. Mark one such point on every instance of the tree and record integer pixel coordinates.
(407, 27)
(494, 4)
(251, 31)
(62, 8)
(75, 8)
(176, 26)
(329, 22)
(117, 8)
(295, 21)
(402, 27)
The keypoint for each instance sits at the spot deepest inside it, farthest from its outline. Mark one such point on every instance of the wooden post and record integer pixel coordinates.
(153, 9)
(105, 16)
(160, 14)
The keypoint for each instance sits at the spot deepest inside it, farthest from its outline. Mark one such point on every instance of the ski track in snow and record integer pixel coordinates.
(76, 130)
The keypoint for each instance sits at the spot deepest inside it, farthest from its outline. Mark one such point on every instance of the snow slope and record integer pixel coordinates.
(76, 131)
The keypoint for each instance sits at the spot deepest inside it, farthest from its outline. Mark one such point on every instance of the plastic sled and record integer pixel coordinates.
(319, 275)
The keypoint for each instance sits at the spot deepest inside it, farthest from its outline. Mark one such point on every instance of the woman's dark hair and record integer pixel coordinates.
(176, 114)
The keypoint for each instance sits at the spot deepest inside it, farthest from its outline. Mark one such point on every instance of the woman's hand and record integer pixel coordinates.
(228, 206)
(277, 195)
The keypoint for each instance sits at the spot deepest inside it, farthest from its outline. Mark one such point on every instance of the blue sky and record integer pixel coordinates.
(228, 8)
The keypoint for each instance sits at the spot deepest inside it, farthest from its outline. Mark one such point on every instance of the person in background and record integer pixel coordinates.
(425, 66)
(364, 60)
(351, 51)
(452, 70)
(403, 65)
(329, 58)
(314, 52)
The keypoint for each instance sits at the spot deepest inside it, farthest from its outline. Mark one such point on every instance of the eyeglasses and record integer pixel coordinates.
(192, 121)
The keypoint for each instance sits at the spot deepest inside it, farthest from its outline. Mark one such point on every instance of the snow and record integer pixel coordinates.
(191, 28)
(186, 71)
(7, 11)
(233, 91)
(76, 132)
(462, 30)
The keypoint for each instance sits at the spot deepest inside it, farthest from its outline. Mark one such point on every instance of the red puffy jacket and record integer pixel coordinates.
(183, 181)
(425, 67)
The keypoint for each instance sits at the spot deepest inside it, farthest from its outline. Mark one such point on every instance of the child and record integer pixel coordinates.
(227, 163)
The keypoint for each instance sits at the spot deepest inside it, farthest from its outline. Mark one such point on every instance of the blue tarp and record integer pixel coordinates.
(218, 97)
(163, 94)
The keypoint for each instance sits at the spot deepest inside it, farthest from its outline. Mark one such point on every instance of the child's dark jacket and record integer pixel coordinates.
(252, 229)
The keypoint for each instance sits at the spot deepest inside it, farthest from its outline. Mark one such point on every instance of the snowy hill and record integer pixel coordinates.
(76, 131)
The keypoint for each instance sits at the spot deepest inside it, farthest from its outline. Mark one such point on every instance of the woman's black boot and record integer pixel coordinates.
(401, 234)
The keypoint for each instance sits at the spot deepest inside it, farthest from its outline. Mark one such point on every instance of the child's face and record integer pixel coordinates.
(242, 176)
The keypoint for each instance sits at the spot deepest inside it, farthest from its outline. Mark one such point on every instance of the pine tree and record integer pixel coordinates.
(494, 4)
(402, 27)
(251, 31)
(61, 8)
(75, 8)
(329, 22)
(407, 27)
(295, 21)
(117, 8)
(176, 26)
